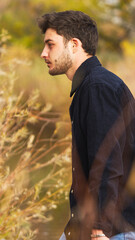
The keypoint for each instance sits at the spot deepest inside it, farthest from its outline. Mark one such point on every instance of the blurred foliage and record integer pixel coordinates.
(115, 19)
(128, 48)
(117, 24)
(34, 162)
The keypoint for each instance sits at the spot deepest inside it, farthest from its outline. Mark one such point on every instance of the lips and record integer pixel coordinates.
(48, 63)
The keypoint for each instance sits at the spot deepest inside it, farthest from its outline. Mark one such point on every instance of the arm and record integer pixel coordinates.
(105, 143)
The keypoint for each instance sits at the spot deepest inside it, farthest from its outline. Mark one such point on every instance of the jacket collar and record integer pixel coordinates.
(83, 70)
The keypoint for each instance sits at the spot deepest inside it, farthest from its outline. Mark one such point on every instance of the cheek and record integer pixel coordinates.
(52, 54)
(55, 54)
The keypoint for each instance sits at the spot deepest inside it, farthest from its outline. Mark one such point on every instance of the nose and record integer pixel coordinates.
(44, 53)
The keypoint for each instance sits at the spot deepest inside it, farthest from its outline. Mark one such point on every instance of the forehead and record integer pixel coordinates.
(51, 34)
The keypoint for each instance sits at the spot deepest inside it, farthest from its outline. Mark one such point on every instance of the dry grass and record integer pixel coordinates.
(33, 178)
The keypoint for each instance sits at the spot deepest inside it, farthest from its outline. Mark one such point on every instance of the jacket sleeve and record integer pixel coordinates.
(105, 131)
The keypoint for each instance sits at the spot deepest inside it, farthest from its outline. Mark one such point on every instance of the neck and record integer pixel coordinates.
(76, 64)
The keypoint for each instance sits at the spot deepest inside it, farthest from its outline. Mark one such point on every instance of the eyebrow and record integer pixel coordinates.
(48, 40)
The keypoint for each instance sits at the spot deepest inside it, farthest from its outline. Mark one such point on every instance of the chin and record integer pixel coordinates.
(53, 72)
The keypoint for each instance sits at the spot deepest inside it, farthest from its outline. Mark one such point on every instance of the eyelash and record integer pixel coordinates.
(50, 45)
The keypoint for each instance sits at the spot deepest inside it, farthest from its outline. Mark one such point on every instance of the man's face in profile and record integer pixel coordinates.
(56, 53)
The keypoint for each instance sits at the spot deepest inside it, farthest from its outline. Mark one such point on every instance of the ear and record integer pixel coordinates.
(76, 44)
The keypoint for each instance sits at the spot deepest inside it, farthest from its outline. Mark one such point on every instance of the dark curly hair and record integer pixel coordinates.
(70, 24)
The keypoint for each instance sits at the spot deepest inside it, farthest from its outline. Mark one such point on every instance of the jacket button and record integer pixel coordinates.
(73, 169)
(72, 122)
(72, 190)
(69, 233)
(72, 215)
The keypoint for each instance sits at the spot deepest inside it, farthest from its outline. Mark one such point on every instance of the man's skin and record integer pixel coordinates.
(64, 57)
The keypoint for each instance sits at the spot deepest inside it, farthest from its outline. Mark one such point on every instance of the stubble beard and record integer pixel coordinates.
(62, 64)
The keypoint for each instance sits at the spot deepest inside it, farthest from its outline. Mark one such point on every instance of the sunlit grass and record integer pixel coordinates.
(34, 151)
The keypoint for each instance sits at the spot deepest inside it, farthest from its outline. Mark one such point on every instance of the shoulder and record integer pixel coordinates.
(102, 86)
(102, 79)
(100, 76)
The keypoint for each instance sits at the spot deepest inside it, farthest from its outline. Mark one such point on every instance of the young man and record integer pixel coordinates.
(103, 130)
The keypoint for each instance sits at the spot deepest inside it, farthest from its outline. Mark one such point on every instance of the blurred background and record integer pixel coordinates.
(35, 141)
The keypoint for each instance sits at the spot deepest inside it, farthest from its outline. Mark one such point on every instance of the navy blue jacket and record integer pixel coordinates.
(103, 143)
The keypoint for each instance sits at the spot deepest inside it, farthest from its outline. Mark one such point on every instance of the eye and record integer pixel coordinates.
(50, 45)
